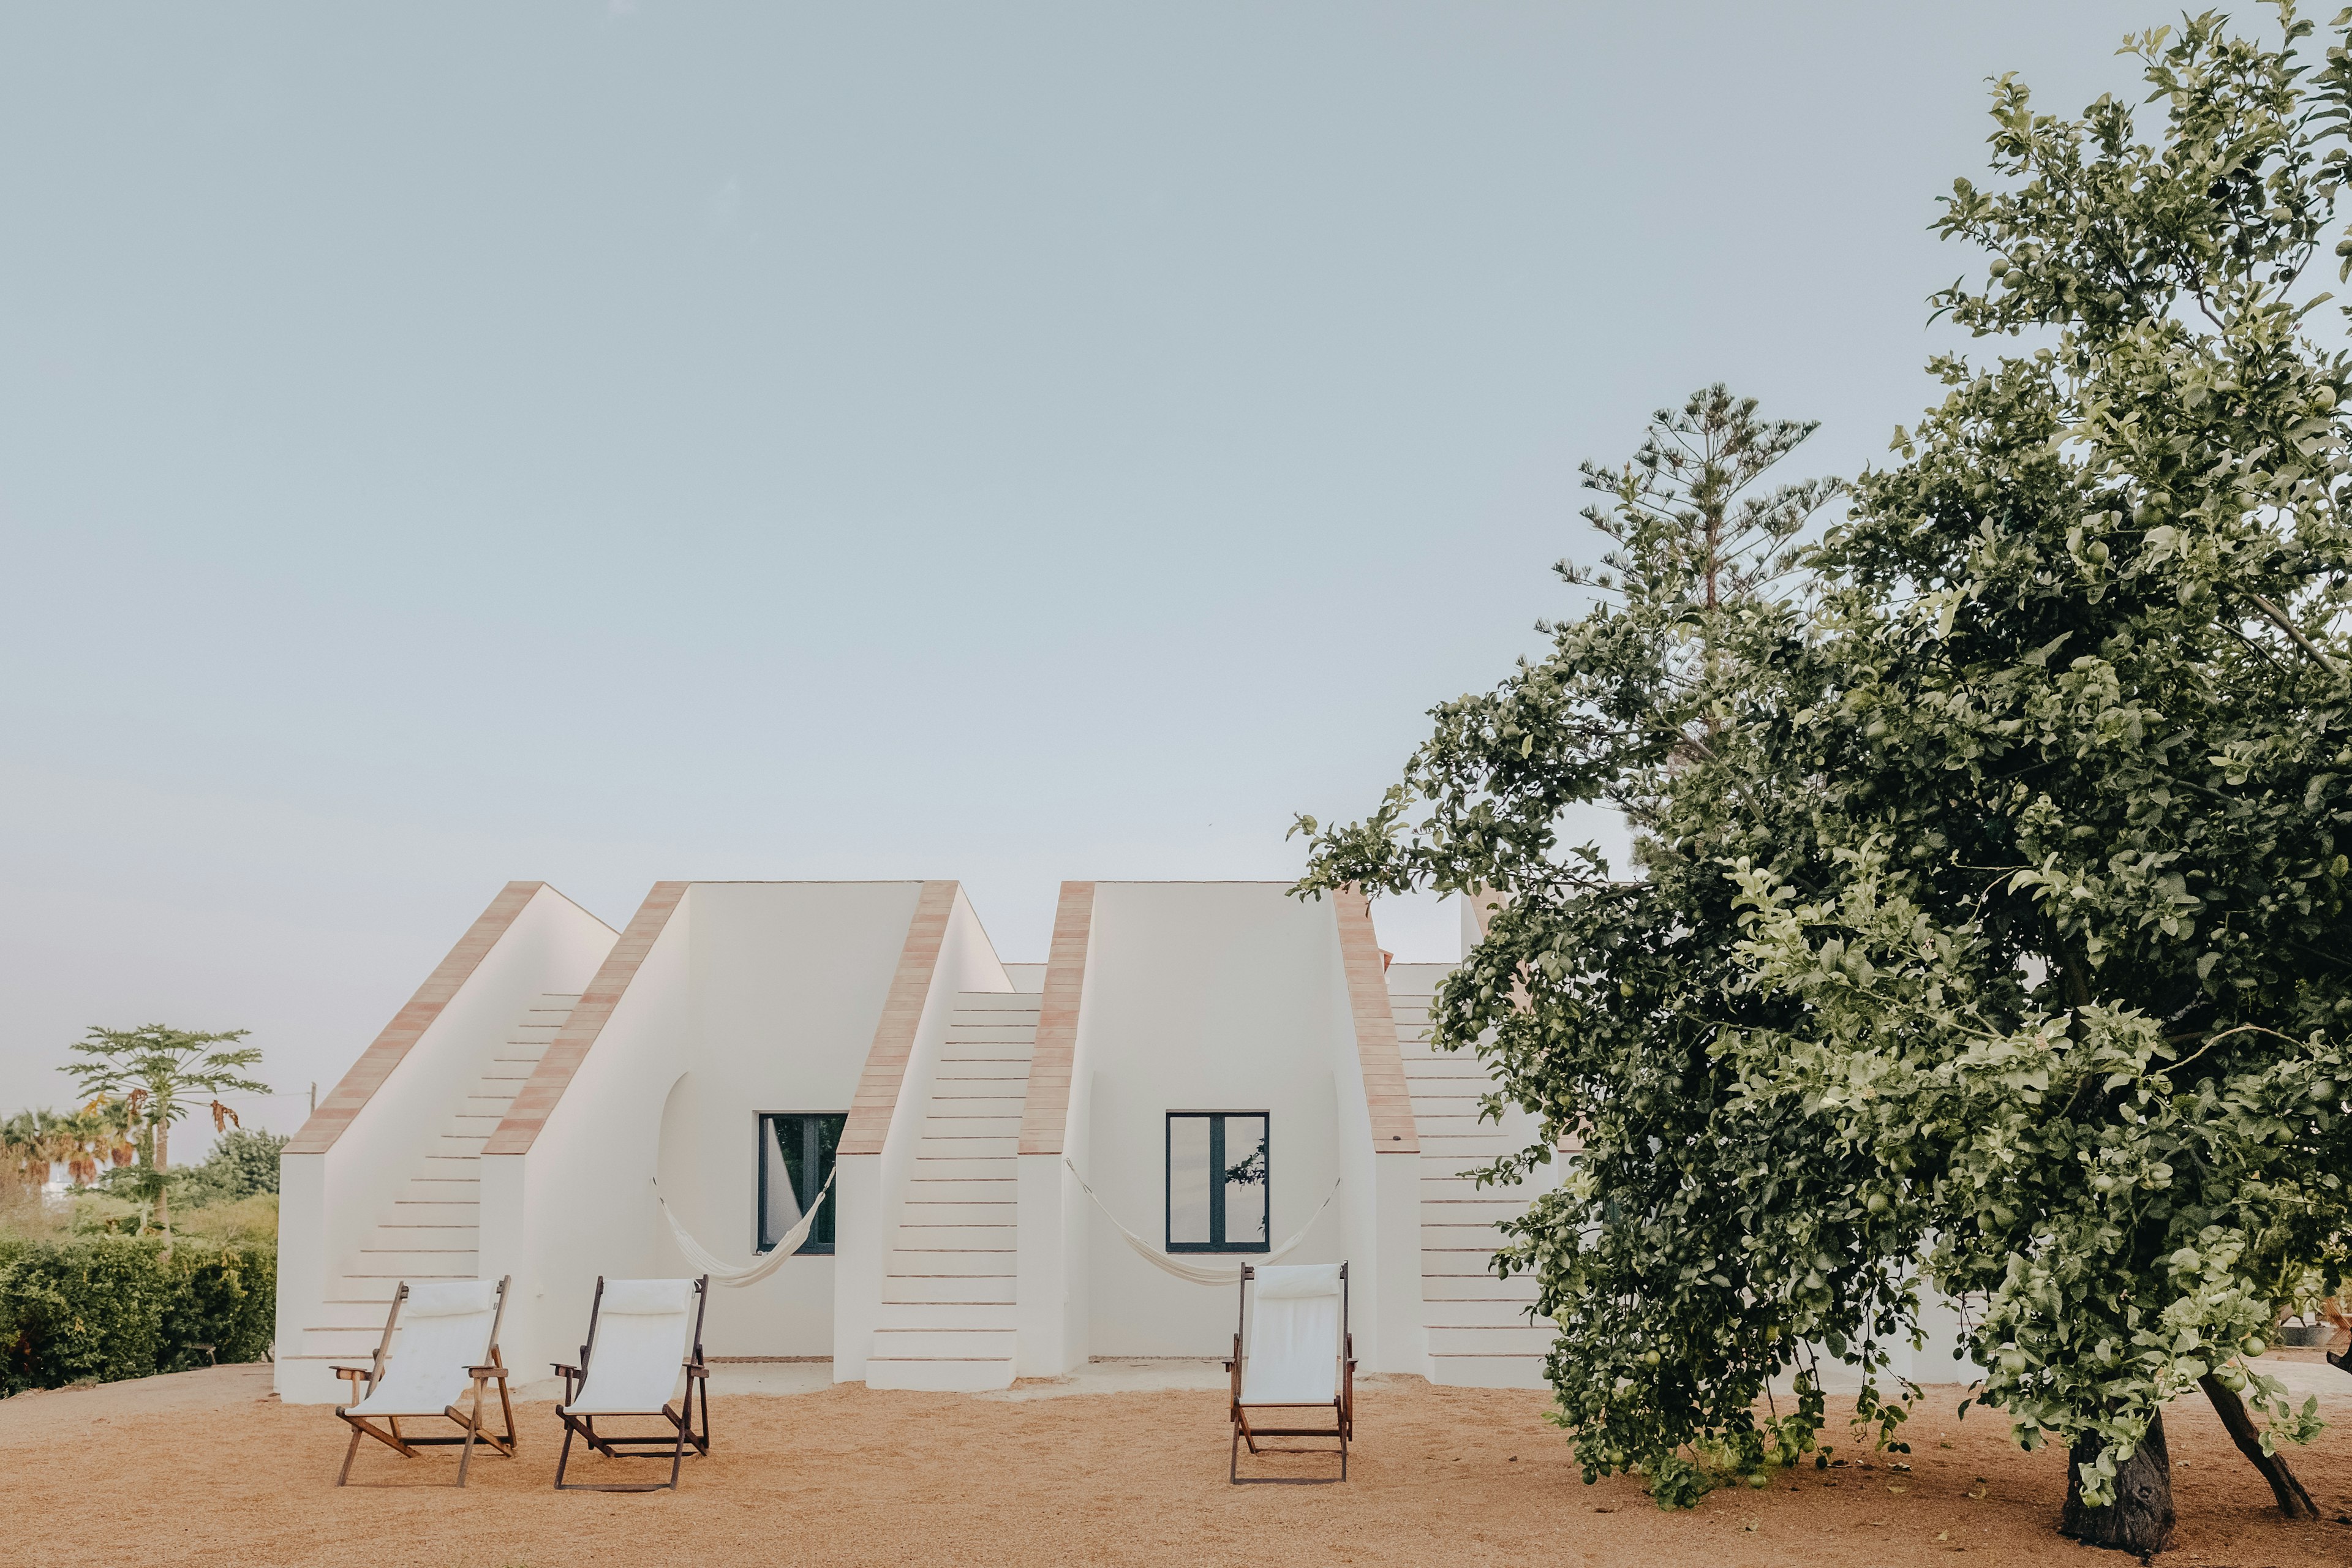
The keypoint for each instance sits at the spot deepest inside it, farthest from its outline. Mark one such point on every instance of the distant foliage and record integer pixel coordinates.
(242, 1164)
(156, 1075)
(106, 1308)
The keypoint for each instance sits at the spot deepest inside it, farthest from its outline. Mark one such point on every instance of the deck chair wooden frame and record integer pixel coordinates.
(470, 1423)
(1247, 1430)
(674, 1443)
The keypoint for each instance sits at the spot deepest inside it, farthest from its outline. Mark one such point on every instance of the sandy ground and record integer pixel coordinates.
(208, 1469)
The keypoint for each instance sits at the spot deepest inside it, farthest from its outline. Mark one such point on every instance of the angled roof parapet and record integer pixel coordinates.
(902, 1016)
(389, 1048)
(544, 1090)
(1047, 1109)
(1385, 1091)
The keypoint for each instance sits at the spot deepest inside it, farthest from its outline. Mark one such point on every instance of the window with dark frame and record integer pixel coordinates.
(1219, 1196)
(796, 1150)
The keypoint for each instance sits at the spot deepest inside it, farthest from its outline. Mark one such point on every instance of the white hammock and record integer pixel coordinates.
(738, 1275)
(1201, 1273)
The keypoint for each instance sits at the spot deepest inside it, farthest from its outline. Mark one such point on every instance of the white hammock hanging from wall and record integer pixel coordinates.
(737, 1275)
(1201, 1273)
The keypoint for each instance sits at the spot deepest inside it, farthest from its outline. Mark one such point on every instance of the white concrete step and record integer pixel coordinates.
(1470, 1235)
(1008, 1001)
(933, 1263)
(973, 1375)
(1472, 1207)
(1466, 1282)
(931, 1239)
(945, 1344)
(988, 1289)
(996, 1189)
(376, 1290)
(1487, 1371)
(445, 1188)
(1459, 1069)
(950, 1316)
(957, 1168)
(399, 1234)
(922, 1212)
(1524, 1339)
(1485, 1314)
(416, 1263)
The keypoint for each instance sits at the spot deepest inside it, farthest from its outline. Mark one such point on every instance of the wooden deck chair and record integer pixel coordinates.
(448, 1338)
(1292, 1351)
(642, 1335)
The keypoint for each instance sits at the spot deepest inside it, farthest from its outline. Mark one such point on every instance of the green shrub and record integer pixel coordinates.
(111, 1307)
(242, 1164)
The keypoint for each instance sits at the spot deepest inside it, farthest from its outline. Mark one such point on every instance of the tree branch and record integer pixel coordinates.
(2277, 618)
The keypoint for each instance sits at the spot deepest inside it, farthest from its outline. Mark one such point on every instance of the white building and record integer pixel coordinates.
(1225, 1066)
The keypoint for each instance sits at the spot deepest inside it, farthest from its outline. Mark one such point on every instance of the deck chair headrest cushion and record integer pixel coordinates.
(450, 1299)
(647, 1298)
(1294, 1282)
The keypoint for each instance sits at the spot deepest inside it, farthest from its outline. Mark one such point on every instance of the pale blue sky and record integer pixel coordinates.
(443, 443)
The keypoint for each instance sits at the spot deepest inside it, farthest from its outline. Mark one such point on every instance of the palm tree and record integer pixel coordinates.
(96, 1136)
(24, 1157)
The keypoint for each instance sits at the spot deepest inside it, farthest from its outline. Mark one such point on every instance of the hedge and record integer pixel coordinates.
(111, 1307)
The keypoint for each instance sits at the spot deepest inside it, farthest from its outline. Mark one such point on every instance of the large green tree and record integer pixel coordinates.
(1687, 1256)
(2090, 728)
(1994, 910)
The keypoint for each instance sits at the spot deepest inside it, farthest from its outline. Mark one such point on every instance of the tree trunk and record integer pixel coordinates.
(162, 1204)
(2293, 1500)
(2140, 1519)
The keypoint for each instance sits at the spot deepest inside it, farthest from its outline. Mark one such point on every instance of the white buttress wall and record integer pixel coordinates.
(1056, 1216)
(329, 1203)
(581, 1203)
(1361, 1215)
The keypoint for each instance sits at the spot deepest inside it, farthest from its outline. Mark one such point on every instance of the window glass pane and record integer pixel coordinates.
(1245, 1181)
(781, 1206)
(1187, 1181)
(824, 1137)
(796, 1155)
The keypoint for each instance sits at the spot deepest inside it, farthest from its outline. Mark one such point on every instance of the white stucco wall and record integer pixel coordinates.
(789, 980)
(1205, 996)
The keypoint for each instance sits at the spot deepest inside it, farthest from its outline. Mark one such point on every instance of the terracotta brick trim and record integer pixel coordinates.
(1385, 1093)
(902, 1015)
(1483, 902)
(544, 1090)
(1047, 1112)
(391, 1047)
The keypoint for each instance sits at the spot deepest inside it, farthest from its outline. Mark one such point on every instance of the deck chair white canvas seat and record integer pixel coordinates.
(643, 1336)
(1293, 1352)
(448, 1340)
